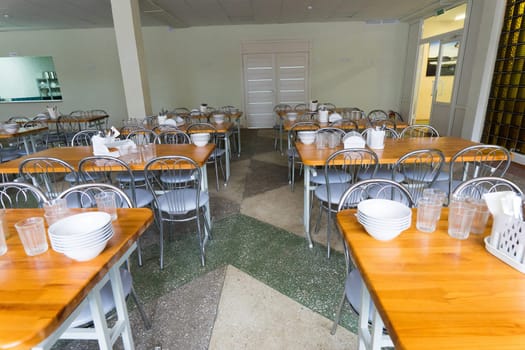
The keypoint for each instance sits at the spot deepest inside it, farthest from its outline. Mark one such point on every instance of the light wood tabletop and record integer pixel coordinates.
(394, 149)
(436, 292)
(38, 293)
(73, 155)
(23, 132)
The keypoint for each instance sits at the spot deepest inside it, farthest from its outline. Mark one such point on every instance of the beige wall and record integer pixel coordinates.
(351, 64)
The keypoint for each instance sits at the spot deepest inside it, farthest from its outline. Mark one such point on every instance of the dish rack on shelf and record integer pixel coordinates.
(508, 243)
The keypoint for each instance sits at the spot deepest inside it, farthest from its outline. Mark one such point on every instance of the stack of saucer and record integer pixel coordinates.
(83, 236)
(384, 219)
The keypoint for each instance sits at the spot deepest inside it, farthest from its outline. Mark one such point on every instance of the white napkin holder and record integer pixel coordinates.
(323, 116)
(334, 117)
(353, 140)
(53, 112)
(375, 139)
(313, 105)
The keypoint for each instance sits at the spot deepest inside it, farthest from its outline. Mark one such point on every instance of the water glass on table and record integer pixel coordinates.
(106, 201)
(32, 233)
(481, 215)
(460, 216)
(428, 213)
(55, 210)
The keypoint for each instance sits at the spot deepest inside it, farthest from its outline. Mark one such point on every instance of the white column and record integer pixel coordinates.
(128, 31)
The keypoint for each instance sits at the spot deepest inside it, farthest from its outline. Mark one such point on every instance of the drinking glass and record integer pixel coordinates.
(428, 212)
(106, 202)
(460, 216)
(481, 215)
(321, 141)
(333, 140)
(33, 235)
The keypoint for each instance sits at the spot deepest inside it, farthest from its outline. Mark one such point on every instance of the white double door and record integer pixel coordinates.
(270, 79)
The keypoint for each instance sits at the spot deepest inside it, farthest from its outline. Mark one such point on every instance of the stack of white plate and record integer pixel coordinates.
(82, 236)
(384, 219)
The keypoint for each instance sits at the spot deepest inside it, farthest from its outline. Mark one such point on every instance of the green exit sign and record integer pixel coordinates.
(440, 12)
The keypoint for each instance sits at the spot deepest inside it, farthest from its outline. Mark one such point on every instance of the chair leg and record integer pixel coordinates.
(216, 175)
(317, 226)
(145, 319)
(201, 240)
(139, 252)
(328, 229)
(161, 234)
(337, 318)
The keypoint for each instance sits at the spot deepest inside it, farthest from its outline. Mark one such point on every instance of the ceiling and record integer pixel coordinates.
(68, 14)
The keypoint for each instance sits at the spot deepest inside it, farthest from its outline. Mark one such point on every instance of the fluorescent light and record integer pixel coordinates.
(459, 17)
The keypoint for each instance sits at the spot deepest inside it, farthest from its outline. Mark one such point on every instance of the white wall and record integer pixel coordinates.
(352, 64)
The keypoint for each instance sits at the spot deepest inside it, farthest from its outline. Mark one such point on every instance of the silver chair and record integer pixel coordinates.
(218, 154)
(278, 125)
(473, 162)
(358, 192)
(21, 195)
(83, 138)
(419, 170)
(330, 106)
(180, 201)
(477, 187)
(419, 130)
(341, 170)
(84, 194)
(51, 175)
(292, 154)
(377, 114)
(141, 136)
(172, 136)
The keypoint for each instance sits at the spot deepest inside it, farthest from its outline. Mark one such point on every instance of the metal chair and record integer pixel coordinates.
(218, 154)
(51, 175)
(141, 136)
(278, 126)
(84, 194)
(419, 130)
(83, 138)
(330, 106)
(292, 154)
(419, 170)
(377, 114)
(341, 170)
(473, 162)
(358, 192)
(21, 195)
(180, 201)
(477, 187)
(172, 136)
(383, 123)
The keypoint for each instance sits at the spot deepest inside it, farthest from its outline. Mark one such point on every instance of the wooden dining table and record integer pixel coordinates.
(40, 296)
(26, 135)
(73, 155)
(436, 292)
(313, 158)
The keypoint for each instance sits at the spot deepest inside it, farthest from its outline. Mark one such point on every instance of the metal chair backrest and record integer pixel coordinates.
(390, 133)
(172, 136)
(477, 187)
(297, 127)
(372, 189)
(419, 130)
(21, 195)
(50, 175)
(83, 195)
(83, 138)
(419, 170)
(377, 114)
(141, 136)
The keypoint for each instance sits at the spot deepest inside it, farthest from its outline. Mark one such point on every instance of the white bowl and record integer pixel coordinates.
(200, 139)
(218, 118)
(306, 137)
(383, 209)
(80, 224)
(384, 234)
(11, 128)
(85, 254)
(291, 116)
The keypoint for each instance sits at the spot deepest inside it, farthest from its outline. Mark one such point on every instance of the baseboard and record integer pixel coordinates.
(518, 158)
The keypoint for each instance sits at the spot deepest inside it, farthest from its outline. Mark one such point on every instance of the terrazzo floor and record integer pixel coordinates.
(262, 287)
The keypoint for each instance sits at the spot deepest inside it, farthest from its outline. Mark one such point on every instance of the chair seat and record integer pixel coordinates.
(180, 202)
(219, 152)
(336, 192)
(144, 197)
(382, 173)
(137, 175)
(182, 176)
(292, 152)
(334, 176)
(108, 303)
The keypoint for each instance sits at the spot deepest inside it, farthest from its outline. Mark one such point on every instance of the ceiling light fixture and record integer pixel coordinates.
(459, 17)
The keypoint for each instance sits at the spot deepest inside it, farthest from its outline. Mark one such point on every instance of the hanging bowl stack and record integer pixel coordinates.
(384, 219)
(83, 236)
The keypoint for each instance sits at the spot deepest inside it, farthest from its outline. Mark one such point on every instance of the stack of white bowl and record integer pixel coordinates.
(200, 139)
(218, 118)
(384, 219)
(291, 116)
(307, 137)
(82, 236)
